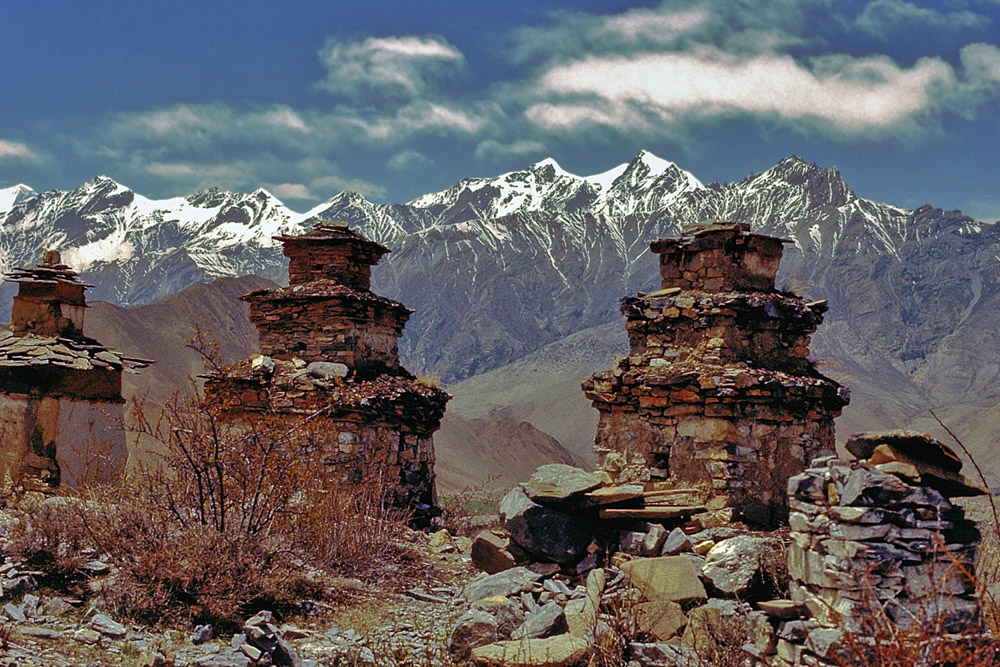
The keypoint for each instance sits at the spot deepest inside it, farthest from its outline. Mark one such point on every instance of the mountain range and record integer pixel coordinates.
(505, 271)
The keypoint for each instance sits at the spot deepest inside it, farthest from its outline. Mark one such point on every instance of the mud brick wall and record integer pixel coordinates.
(717, 260)
(60, 391)
(348, 264)
(328, 323)
(718, 389)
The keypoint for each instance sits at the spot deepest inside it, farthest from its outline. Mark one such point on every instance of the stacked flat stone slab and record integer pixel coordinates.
(875, 543)
(718, 388)
(330, 350)
(328, 312)
(61, 391)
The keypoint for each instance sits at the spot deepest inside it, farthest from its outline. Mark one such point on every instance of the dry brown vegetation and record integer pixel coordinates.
(233, 518)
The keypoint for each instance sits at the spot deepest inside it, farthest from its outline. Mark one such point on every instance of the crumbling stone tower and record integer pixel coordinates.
(329, 350)
(60, 392)
(717, 388)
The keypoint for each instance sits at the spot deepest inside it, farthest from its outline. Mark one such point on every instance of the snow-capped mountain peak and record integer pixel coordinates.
(604, 179)
(9, 197)
(655, 164)
(551, 169)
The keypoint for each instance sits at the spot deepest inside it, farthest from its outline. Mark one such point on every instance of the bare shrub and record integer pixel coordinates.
(48, 534)
(234, 515)
(618, 628)
(349, 528)
(473, 508)
(923, 641)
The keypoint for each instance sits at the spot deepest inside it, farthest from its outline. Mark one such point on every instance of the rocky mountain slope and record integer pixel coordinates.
(498, 268)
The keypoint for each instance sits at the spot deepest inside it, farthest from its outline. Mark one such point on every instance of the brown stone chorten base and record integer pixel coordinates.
(381, 426)
(330, 352)
(717, 390)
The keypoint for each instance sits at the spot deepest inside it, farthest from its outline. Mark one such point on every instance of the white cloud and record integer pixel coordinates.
(199, 175)
(491, 148)
(401, 67)
(16, 151)
(658, 71)
(201, 126)
(981, 63)
(849, 95)
(884, 18)
(290, 191)
(577, 32)
(644, 72)
(336, 184)
(408, 159)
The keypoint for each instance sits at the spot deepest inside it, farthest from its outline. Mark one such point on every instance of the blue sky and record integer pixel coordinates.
(394, 99)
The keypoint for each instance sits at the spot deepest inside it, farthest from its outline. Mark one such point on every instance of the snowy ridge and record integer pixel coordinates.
(497, 267)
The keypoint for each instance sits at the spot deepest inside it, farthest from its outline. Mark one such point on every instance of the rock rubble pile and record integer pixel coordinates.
(568, 573)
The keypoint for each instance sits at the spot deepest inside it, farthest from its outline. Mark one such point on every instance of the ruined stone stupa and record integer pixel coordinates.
(61, 403)
(718, 390)
(330, 351)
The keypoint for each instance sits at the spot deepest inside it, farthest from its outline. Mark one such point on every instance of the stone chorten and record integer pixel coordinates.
(61, 391)
(329, 348)
(717, 389)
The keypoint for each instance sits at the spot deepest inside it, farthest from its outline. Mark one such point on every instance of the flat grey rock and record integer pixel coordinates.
(558, 481)
(506, 583)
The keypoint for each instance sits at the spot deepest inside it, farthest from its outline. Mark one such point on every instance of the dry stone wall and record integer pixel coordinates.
(876, 544)
(324, 321)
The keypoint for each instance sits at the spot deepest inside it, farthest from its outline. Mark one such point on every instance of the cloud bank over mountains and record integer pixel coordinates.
(677, 71)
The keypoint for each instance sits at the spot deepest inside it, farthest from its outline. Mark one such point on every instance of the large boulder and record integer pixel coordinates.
(661, 619)
(668, 578)
(544, 532)
(491, 553)
(473, 628)
(547, 620)
(508, 613)
(734, 566)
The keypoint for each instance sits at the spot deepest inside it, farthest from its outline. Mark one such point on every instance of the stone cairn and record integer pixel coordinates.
(330, 351)
(60, 391)
(717, 389)
(876, 543)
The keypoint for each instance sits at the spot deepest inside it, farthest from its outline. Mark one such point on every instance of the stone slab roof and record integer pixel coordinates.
(80, 354)
(44, 273)
(721, 384)
(295, 380)
(321, 289)
(708, 235)
(331, 232)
